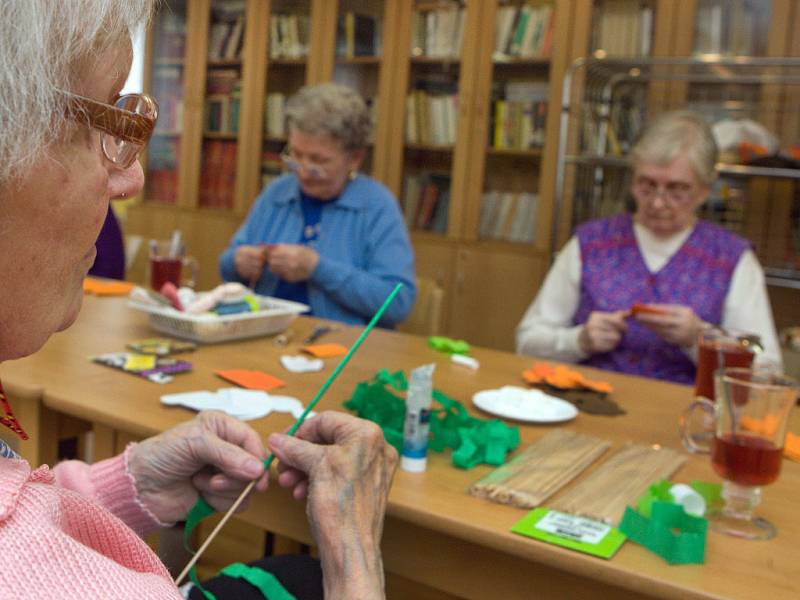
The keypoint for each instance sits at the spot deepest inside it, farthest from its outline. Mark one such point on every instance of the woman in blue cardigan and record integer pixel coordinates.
(323, 234)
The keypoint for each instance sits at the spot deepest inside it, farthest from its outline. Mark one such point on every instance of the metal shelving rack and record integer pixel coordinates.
(606, 101)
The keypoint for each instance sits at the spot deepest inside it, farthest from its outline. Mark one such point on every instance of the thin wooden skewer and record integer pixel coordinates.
(292, 430)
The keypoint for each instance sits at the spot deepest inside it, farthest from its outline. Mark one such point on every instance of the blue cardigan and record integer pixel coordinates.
(363, 246)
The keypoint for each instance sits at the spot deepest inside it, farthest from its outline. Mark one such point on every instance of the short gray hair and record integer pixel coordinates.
(331, 109)
(42, 45)
(677, 133)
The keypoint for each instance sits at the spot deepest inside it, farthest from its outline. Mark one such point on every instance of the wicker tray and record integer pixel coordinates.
(275, 316)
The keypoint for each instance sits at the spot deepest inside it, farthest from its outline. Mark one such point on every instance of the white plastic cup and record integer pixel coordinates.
(692, 502)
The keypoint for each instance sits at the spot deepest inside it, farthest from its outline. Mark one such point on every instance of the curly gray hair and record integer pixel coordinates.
(331, 109)
(42, 45)
(677, 133)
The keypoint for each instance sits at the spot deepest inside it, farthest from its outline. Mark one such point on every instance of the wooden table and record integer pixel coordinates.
(435, 533)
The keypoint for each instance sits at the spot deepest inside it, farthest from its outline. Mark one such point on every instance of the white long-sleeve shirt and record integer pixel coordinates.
(547, 331)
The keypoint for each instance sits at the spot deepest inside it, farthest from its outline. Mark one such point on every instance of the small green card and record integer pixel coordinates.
(575, 533)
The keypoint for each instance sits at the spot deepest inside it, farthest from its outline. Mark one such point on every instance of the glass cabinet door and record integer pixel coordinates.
(517, 115)
(167, 51)
(359, 53)
(431, 116)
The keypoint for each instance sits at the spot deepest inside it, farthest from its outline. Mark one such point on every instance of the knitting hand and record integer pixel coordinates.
(602, 331)
(249, 261)
(213, 455)
(344, 467)
(293, 262)
(677, 325)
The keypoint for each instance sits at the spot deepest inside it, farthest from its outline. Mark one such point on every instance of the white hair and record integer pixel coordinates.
(331, 109)
(42, 45)
(679, 133)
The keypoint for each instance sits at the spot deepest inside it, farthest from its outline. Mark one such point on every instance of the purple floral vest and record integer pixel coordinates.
(614, 277)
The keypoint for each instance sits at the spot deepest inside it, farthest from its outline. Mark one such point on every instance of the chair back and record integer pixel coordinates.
(426, 318)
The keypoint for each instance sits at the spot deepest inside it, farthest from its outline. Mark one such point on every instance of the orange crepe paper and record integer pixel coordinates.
(325, 350)
(791, 447)
(106, 287)
(647, 309)
(251, 380)
(562, 377)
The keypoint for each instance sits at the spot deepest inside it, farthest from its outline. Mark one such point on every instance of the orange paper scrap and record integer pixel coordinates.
(106, 287)
(252, 380)
(563, 377)
(325, 350)
(791, 447)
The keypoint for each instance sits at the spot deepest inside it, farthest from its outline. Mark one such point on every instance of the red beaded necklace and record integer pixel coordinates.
(8, 419)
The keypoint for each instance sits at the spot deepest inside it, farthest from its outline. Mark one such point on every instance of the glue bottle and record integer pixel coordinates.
(415, 432)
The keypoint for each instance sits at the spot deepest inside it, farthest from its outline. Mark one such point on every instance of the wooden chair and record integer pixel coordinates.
(426, 318)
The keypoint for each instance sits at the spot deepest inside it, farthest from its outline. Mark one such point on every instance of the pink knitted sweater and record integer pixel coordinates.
(73, 532)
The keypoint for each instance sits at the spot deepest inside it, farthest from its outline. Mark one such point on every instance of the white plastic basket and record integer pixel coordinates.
(275, 316)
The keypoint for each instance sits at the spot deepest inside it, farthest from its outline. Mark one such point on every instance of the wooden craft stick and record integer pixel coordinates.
(292, 430)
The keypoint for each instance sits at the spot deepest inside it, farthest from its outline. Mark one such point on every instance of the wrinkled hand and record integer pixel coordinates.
(292, 262)
(678, 325)
(602, 331)
(344, 467)
(249, 261)
(214, 455)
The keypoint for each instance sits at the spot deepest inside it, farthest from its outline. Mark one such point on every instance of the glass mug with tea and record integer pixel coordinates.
(751, 414)
(168, 262)
(717, 349)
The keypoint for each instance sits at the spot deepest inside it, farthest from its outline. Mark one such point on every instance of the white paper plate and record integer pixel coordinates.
(521, 404)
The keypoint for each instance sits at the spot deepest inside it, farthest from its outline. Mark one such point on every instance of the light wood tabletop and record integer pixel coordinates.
(435, 532)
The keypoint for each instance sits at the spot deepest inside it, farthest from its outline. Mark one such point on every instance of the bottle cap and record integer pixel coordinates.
(692, 502)
(413, 465)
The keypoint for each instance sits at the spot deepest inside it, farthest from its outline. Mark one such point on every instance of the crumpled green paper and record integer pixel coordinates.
(472, 440)
(448, 345)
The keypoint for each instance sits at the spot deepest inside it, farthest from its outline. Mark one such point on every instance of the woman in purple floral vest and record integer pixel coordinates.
(689, 273)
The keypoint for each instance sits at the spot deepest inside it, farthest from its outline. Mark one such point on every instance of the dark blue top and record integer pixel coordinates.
(312, 215)
(110, 261)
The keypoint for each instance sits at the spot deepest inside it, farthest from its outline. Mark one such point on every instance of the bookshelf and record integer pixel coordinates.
(468, 87)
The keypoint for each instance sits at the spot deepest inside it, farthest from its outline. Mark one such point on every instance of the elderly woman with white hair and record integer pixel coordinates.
(69, 143)
(691, 273)
(323, 234)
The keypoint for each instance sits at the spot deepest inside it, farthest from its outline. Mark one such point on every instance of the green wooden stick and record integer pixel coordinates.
(293, 428)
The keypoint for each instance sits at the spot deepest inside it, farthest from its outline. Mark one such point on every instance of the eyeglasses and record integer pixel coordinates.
(126, 125)
(677, 192)
(313, 170)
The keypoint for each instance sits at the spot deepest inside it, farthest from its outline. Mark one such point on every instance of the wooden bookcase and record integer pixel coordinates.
(488, 279)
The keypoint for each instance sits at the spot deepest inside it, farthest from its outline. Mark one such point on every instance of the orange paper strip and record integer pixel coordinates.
(791, 447)
(252, 380)
(105, 287)
(325, 350)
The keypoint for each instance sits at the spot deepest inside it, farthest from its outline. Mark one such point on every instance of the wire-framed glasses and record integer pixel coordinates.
(126, 125)
(677, 192)
(313, 170)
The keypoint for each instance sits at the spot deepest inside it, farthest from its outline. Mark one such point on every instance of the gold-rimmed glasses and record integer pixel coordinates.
(126, 125)
(677, 192)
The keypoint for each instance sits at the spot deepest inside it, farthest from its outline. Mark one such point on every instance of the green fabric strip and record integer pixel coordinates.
(262, 580)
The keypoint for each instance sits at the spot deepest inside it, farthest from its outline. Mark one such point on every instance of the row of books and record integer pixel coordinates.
(169, 35)
(271, 167)
(168, 88)
(509, 216)
(523, 31)
(223, 100)
(623, 27)
(730, 27)
(218, 174)
(431, 119)
(426, 201)
(358, 35)
(226, 32)
(519, 113)
(438, 33)
(288, 35)
(163, 155)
